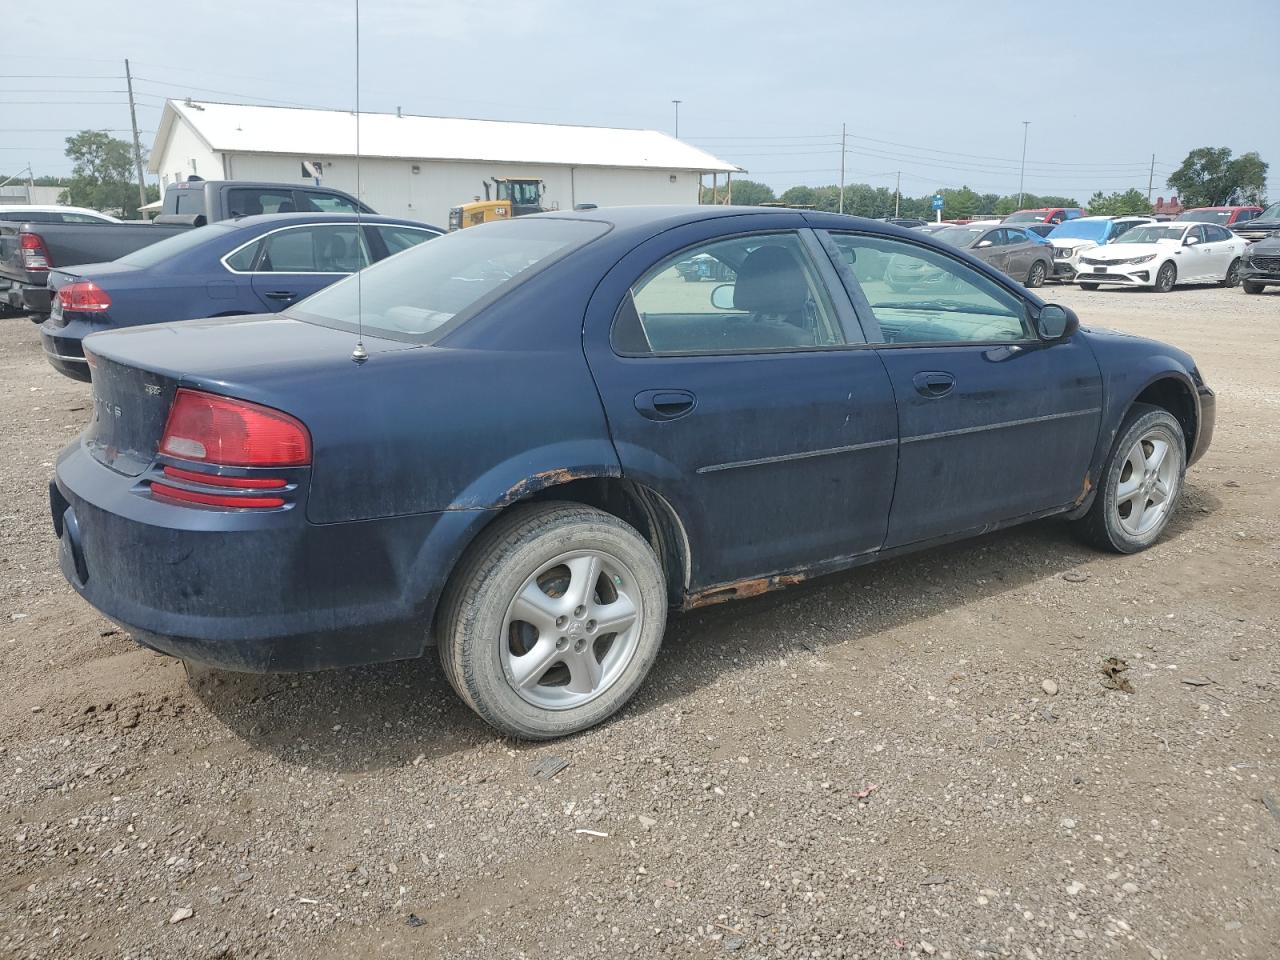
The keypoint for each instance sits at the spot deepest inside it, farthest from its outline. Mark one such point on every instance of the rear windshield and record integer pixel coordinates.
(1028, 216)
(154, 253)
(1205, 216)
(413, 296)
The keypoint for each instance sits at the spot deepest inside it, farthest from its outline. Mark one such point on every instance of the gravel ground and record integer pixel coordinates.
(869, 765)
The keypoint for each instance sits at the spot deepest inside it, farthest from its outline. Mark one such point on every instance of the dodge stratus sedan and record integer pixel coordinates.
(525, 442)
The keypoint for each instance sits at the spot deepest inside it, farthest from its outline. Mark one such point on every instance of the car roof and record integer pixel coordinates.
(283, 219)
(48, 208)
(1241, 206)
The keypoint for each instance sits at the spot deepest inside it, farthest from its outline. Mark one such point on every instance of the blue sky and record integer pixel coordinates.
(937, 90)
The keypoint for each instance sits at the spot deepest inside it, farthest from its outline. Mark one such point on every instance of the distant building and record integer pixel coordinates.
(28, 194)
(1170, 207)
(419, 167)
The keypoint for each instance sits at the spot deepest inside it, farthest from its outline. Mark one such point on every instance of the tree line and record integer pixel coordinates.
(1209, 176)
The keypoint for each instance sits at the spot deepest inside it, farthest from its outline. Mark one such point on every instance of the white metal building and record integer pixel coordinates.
(419, 167)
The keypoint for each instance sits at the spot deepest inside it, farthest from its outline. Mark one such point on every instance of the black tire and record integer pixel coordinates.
(1233, 274)
(1101, 526)
(1166, 277)
(1036, 275)
(494, 568)
(1251, 287)
(1088, 286)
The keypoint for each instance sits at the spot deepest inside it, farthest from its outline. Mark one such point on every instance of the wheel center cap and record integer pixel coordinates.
(577, 628)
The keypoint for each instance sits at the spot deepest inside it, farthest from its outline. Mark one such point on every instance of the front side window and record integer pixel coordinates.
(752, 294)
(923, 296)
(324, 248)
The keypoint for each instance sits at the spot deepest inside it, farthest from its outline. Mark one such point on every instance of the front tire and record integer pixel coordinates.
(552, 620)
(1035, 278)
(1251, 287)
(1140, 483)
(1166, 277)
(1233, 274)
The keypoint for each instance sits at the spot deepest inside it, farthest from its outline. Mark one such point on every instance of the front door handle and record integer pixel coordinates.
(662, 405)
(281, 295)
(934, 383)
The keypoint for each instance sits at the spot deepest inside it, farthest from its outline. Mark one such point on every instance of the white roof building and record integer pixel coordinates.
(419, 167)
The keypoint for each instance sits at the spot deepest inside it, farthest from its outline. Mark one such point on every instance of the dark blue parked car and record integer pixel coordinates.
(528, 439)
(247, 265)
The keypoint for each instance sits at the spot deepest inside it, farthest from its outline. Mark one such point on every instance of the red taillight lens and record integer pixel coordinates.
(233, 433)
(84, 296)
(213, 499)
(35, 255)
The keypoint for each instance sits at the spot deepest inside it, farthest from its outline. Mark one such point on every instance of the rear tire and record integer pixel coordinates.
(1136, 494)
(504, 604)
(1233, 274)
(1089, 286)
(1035, 277)
(1166, 277)
(1251, 287)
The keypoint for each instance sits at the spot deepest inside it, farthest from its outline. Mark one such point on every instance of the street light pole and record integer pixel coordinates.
(1022, 173)
(677, 106)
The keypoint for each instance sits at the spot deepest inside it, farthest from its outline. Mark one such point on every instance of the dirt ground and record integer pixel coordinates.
(864, 766)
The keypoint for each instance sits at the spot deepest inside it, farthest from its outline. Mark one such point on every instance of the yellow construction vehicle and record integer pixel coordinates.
(511, 197)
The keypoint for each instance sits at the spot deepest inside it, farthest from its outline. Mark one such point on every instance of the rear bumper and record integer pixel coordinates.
(251, 591)
(66, 355)
(28, 299)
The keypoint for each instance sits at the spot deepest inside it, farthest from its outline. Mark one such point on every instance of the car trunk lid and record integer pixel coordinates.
(137, 371)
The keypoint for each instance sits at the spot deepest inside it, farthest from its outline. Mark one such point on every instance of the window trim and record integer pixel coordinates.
(869, 321)
(309, 273)
(844, 317)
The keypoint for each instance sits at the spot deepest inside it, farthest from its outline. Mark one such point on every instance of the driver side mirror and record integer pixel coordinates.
(722, 296)
(982, 243)
(1056, 322)
(1190, 241)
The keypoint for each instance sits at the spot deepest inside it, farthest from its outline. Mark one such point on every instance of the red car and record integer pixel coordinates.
(1044, 215)
(1222, 216)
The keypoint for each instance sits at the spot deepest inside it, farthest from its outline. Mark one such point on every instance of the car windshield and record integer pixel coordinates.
(149, 256)
(1152, 233)
(1095, 230)
(1204, 216)
(413, 295)
(1271, 213)
(1027, 216)
(961, 236)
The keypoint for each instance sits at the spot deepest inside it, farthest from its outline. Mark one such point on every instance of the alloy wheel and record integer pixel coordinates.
(571, 630)
(1148, 481)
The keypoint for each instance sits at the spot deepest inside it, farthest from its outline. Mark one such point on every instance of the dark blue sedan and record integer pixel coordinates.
(528, 440)
(247, 265)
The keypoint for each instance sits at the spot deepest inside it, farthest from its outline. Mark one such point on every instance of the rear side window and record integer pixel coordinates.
(188, 201)
(767, 296)
(251, 201)
(323, 248)
(399, 239)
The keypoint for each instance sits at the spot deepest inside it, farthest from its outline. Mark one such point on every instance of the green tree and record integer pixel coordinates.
(1209, 176)
(1118, 204)
(746, 193)
(102, 173)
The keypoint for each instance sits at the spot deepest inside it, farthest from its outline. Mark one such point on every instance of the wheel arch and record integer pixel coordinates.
(1178, 396)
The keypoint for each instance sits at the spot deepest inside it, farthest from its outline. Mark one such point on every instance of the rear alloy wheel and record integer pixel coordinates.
(552, 620)
(1233, 274)
(1251, 287)
(1166, 278)
(1140, 483)
(1036, 277)
(1088, 286)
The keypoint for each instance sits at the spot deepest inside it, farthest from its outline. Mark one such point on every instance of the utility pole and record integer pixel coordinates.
(897, 194)
(842, 143)
(677, 105)
(1023, 171)
(137, 147)
(1151, 177)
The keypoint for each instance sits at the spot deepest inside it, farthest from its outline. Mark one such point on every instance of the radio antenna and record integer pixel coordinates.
(359, 354)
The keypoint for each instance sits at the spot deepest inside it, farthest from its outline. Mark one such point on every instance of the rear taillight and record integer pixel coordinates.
(235, 433)
(214, 499)
(35, 255)
(84, 296)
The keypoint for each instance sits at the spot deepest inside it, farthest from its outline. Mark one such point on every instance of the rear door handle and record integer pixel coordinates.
(280, 295)
(934, 383)
(663, 405)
